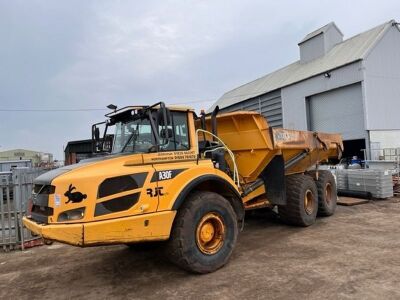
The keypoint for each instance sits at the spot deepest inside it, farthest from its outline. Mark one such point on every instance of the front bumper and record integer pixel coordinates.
(148, 227)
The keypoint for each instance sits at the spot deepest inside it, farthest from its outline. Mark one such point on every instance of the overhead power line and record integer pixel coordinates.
(54, 110)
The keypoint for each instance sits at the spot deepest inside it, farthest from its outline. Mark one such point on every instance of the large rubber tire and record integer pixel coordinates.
(327, 193)
(183, 247)
(301, 201)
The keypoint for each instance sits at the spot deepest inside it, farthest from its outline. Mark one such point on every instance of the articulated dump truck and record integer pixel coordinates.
(166, 174)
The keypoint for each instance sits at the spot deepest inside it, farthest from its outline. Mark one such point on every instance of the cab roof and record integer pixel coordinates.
(137, 107)
(127, 111)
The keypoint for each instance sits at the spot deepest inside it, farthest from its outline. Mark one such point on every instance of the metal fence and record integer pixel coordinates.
(15, 190)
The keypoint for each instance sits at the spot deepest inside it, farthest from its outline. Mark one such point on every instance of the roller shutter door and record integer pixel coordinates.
(338, 111)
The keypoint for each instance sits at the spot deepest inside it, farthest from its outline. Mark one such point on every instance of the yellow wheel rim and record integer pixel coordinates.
(309, 202)
(210, 233)
(328, 193)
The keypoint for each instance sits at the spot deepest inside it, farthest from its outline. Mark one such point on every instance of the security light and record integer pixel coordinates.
(327, 75)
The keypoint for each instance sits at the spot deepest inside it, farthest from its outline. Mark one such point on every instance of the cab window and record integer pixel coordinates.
(178, 135)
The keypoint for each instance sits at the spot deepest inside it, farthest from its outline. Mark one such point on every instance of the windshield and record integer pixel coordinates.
(136, 136)
(133, 136)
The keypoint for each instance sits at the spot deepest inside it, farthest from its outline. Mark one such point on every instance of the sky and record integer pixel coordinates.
(73, 58)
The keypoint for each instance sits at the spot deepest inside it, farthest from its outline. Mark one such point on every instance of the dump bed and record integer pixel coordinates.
(255, 144)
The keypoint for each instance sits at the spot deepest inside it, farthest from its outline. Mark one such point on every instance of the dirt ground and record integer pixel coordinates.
(353, 255)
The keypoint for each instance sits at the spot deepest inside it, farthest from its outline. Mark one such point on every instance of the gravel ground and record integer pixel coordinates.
(354, 254)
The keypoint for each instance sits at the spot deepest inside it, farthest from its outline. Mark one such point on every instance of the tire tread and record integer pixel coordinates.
(175, 247)
(292, 213)
(323, 177)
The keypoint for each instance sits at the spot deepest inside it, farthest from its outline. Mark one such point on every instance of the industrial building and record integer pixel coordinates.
(36, 157)
(347, 86)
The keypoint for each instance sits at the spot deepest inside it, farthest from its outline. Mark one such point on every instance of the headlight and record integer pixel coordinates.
(71, 215)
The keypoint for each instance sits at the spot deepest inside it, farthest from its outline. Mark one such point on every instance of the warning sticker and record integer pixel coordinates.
(57, 200)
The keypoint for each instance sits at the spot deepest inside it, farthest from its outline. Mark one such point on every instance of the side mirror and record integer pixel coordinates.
(108, 142)
(164, 119)
(164, 116)
(98, 141)
(97, 134)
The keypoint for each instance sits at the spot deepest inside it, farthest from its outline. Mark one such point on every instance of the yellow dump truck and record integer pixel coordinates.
(168, 175)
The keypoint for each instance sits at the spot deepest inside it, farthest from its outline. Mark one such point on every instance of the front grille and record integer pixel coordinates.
(41, 213)
(116, 204)
(40, 203)
(119, 184)
(45, 189)
(42, 210)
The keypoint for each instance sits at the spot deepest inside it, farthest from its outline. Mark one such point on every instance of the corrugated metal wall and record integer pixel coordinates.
(7, 166)
(382, 88)
(269, 105)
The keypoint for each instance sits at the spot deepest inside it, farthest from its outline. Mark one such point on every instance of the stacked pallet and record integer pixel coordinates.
(377, 182)
(342, 181)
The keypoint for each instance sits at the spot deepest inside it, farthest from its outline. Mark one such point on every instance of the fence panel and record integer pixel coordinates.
(15, 191)
(8, 225)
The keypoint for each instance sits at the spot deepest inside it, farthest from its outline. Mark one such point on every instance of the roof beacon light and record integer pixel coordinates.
(112, 107)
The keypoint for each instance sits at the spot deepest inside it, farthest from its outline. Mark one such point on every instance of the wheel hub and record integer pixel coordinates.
(210, 233)
(207, 232)
(309, 202)
(328, 193)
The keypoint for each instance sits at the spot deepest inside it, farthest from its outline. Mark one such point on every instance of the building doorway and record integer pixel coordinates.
(354, 148)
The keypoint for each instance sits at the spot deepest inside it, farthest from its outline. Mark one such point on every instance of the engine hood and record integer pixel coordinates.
(95, 189)
(49, 176)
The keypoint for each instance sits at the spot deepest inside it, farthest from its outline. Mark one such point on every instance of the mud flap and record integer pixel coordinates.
(274, 180)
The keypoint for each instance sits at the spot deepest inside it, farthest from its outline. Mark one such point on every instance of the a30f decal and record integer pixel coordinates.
(165, 175)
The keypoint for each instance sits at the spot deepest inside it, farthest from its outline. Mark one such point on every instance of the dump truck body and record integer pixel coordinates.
(255, 144)
(176, 177)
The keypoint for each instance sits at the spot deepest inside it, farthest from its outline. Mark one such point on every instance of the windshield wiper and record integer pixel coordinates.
(134, 135)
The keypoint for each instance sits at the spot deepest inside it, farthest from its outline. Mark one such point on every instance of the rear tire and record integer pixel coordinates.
(204, 233)
(301, 201)
(327, 193)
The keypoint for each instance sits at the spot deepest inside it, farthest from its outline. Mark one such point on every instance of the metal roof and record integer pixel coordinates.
(80, 146)
(319, 31)
(351, 50)
(19, 150)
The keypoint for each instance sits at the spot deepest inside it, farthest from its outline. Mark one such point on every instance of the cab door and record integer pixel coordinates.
(176, 154)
